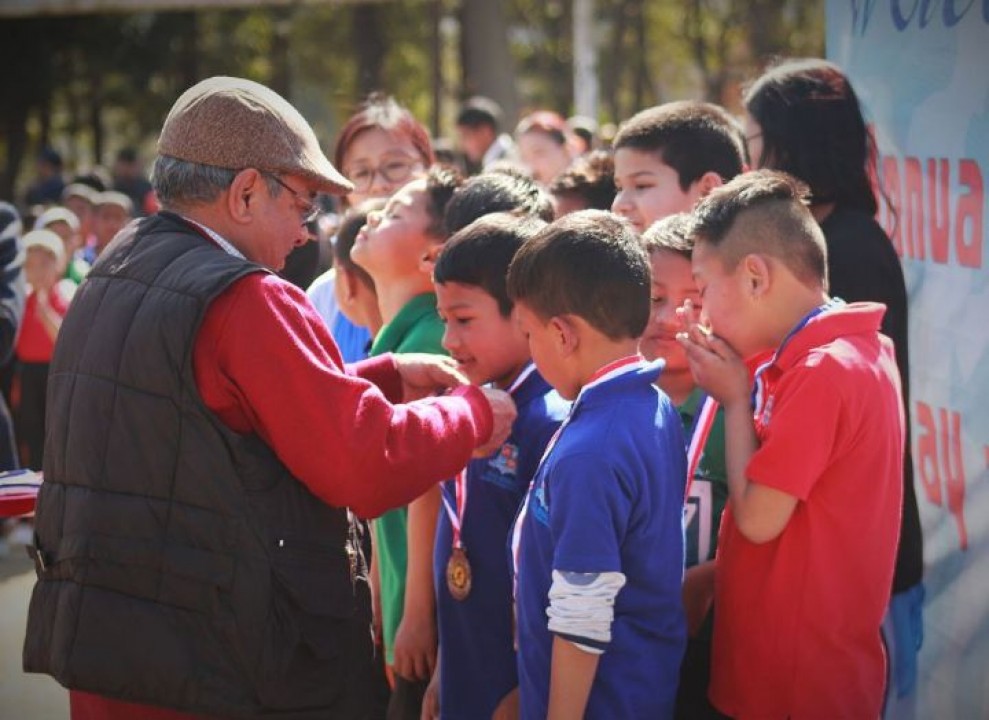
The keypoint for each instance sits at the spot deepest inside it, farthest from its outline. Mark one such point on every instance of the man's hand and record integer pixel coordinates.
(504, 411)
(424, 375)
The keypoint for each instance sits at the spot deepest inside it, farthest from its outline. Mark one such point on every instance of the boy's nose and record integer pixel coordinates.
(449, 340)
(618, 204)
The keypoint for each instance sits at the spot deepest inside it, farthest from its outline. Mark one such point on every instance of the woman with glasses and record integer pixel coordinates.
(380, 148)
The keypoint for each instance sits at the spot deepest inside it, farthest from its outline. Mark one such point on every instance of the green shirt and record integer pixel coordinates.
(416, 328)
(709, 491)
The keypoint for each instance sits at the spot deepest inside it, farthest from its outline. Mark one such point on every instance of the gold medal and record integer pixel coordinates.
(458, 577)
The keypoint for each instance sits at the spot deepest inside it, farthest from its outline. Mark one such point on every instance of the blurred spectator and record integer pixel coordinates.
(11, 313)
(112, 211)
(545, 145)
(43, 313)
(589, 183)
(479, 134)
(47, 187)
(96, 177)
(130, 179)
(80, 199)
(64, 223)
(584, 131)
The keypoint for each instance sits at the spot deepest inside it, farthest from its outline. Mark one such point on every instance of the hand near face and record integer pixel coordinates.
(716, 367)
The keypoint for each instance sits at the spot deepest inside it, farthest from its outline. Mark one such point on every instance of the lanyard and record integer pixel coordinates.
(609, 371)
(707, 409)
(758, 383)
(456, 514)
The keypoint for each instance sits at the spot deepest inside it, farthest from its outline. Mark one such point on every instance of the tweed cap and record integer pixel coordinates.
(235, 124)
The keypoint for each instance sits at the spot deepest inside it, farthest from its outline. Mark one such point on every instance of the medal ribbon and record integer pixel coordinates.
(460, 482)
(758, 384)
(609, 371)
(707, 408)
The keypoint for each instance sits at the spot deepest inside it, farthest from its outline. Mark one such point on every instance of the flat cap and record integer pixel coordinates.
(235, 124)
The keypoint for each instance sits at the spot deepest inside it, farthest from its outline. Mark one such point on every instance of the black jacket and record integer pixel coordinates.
(179, 563)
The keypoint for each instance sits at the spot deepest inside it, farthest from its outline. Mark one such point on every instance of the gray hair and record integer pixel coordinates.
(179, 183)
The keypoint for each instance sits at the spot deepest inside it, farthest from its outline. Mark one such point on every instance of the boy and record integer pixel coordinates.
(667, 157)
(598, 544)
(800, 596)
(397, 247)
(496, 191)
(477, 674)
(669, 246)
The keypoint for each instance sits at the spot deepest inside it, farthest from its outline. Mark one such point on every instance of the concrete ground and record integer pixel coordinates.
(22, 696)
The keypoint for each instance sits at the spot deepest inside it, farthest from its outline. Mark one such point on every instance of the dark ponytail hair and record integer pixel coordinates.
(812, 128)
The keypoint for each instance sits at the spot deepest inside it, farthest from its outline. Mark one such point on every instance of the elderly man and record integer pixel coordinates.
(195, 551)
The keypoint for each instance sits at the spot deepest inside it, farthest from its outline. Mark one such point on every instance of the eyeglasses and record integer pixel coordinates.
(310, 210)
(393, 171)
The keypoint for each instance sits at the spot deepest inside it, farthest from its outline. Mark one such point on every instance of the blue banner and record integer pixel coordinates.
(921, 69)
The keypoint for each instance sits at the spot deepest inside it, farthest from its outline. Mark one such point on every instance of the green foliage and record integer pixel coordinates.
(91, 84)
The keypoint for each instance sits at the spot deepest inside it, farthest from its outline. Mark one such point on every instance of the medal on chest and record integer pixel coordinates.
(458, 574)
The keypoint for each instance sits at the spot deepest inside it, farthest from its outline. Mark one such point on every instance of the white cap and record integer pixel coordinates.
(57, 214)
(45, 239)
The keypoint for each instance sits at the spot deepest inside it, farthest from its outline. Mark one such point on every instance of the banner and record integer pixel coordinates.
(921, 70)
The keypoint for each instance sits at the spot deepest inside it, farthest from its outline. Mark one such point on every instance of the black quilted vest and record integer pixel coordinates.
(179, 563)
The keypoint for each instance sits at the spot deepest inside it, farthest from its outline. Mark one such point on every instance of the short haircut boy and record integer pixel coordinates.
(770, 212)
(590, 178)
(442, 182)
(672, 233)
(481, 253)
(492, 192)
(691, 137)
(346, 235)
(590, 264)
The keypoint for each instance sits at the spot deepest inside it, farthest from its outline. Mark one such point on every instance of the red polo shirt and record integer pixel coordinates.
(265, 363)
(797, 618)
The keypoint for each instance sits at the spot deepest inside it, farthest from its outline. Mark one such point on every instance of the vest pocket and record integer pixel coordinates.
(313, 632)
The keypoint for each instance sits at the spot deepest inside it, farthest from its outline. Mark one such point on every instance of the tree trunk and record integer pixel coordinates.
(487, 62)
(369, 47)
(281, 68)
(96, 115)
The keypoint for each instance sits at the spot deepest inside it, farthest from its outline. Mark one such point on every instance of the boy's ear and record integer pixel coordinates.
(757, 275)
(565, 334)
(428, 260)
(703, 185)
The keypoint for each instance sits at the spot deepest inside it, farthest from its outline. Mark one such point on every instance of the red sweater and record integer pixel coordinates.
(265, 363)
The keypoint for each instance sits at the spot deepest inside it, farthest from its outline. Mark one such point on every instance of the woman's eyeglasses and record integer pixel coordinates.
(393, 171)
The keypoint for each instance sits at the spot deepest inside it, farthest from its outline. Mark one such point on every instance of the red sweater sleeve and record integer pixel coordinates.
(265, 363)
